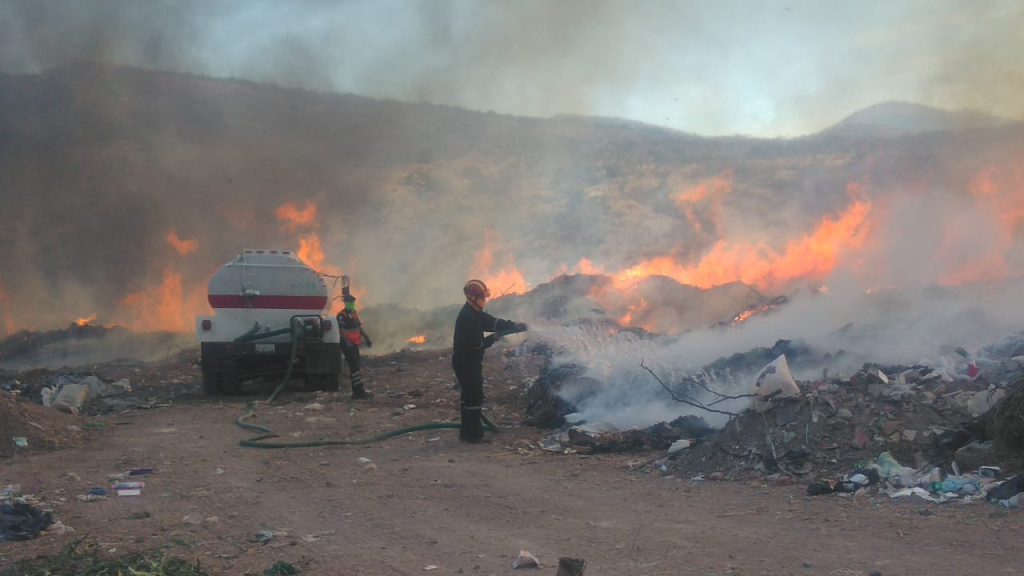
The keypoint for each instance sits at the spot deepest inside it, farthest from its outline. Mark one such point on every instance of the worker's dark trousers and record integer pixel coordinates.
(471, 380)
(351, 354)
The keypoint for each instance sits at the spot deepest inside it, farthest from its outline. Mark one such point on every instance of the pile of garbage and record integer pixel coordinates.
(679, 434)
(87, 393)
(69, 393)
(831, 424)
(885, 475)
(957, 425)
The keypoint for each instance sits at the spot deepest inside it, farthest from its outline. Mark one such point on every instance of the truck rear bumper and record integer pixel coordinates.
(248, 359)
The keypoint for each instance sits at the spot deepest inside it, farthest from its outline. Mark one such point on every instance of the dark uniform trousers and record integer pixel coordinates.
(471, 381)
(468, 348)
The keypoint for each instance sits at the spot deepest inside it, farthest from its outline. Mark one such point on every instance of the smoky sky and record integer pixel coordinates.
(759, 68)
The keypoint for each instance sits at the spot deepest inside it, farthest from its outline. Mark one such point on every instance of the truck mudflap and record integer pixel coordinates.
(226, 364)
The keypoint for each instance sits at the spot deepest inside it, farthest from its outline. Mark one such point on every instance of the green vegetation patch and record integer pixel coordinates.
(77, 559)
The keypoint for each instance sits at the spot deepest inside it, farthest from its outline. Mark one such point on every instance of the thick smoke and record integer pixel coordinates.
(100, 164)
(722, 68)
(841, 331)
(161, 35)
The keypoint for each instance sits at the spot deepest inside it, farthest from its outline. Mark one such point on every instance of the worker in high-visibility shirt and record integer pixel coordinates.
(352, 337)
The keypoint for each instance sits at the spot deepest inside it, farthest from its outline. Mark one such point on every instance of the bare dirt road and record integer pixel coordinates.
(426, 503)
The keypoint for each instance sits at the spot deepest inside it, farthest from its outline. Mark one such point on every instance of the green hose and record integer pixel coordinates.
(266, 433)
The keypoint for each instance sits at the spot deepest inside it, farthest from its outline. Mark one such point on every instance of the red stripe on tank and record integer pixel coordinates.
(268, 302)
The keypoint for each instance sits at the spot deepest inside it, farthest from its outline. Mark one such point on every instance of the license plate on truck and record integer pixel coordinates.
(265, 348)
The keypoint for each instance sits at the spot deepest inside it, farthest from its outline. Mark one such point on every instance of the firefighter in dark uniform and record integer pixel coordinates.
(352, 337)
(468, 354)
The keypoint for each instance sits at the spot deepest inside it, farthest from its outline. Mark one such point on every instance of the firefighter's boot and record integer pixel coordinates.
(358, 391)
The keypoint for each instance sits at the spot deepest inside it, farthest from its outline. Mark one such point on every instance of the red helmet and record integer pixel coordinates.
(476, 289)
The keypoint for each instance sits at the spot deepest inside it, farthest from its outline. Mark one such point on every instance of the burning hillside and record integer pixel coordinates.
(619, 243)
(411, 200)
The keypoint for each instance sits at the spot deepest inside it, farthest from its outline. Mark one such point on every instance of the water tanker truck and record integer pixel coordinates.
(268, 317)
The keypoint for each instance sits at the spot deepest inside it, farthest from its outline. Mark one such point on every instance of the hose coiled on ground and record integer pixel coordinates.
(264, 433)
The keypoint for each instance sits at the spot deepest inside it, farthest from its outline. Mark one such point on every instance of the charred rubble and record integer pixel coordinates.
(966, 413)
(85, 343)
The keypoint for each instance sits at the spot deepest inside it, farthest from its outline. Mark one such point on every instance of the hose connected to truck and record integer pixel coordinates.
(297, 330)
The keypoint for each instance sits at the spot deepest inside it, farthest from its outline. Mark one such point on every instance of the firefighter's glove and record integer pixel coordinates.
(521, 327)
(369, 343)
(491, 339)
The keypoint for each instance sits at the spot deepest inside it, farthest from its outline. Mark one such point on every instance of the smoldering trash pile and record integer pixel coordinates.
(954, 431)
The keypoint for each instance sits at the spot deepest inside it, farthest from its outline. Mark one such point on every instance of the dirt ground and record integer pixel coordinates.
(426, 503)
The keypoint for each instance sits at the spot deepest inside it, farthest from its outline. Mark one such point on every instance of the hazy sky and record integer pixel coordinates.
(765, 68)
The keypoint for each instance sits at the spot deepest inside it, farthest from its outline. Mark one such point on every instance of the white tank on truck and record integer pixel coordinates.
(269, 311)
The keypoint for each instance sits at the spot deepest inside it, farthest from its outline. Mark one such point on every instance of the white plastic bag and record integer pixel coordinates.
(775, 380)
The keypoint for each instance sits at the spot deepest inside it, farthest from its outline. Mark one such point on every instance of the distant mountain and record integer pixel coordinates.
(889, 119)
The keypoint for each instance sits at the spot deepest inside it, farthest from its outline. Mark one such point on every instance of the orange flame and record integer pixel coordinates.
(184, 247)
(635, 310)
(712, 192)
(585, 266)
(169, 307)
(502, 280)
(417, 340)
(998, 195)
(813, 256)
(85, 321)
(295, 218)
(311, 251)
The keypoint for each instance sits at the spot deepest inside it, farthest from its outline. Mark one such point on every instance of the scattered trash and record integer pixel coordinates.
(265, 536)
(20, 521)
(1007, 489)
(550, 444)
(1012, 501)
(141, 471)
(990, 471)
(680, 444)
(129, 492)
(97, 491)
(10, 491)
(920, 492)
(429, 567)
(59, 527)
(525, 560)
(192, 519)
(571, 567)
(21, 442)
(71, 398)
